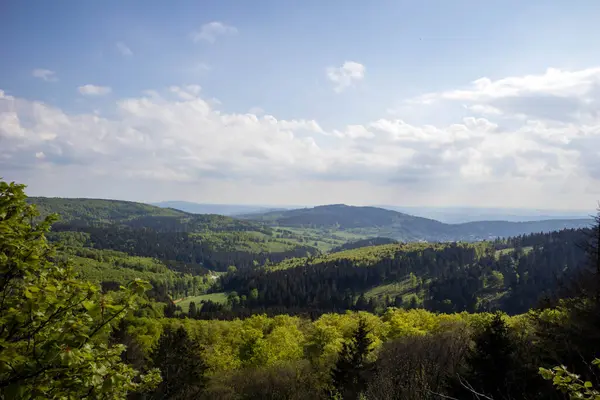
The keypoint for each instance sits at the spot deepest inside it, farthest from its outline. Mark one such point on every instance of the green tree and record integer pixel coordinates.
(181, 364)
(54, 327)
(349, 375)
(193, 310)
(570, 383)
(491, 361)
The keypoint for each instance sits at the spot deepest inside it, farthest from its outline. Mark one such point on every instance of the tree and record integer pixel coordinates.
(491, 361)
(192, 311)
(349, 373)
(54, 327)
(181, 364)
(416, 367)
(570, 383)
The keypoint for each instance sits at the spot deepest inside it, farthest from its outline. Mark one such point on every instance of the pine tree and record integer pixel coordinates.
(491, 361)
(192, 311)
(349, 374)
(361, 303)
(182, 366)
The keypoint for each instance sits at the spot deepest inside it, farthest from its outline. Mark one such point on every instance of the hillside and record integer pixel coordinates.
(187, 242)
(374, 221)
(99, 210)
(512, 275)
(342, 217)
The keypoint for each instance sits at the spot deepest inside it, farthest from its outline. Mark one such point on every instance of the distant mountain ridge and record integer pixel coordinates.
(221, 209)
(367, 222)
(449, 215)
(374, 221)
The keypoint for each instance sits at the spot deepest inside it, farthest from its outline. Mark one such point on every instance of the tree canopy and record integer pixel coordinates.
(53, 326)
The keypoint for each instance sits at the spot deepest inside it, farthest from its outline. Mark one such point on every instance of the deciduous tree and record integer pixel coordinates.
(54, 327)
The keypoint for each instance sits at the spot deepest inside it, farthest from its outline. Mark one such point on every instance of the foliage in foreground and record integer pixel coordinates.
(570, 383)
(53, 326)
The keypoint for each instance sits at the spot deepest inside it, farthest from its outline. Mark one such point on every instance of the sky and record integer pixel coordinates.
(432, 103)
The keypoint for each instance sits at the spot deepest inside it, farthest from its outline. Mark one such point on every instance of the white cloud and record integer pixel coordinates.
(124, 49)
(556, 94)
(491, 156)
(483, 109)
(189, 92)
(210, 31)
(94, 90)
(346, 75)
(45, 74)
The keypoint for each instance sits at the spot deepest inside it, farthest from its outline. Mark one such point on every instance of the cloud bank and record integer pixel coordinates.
(528, 141)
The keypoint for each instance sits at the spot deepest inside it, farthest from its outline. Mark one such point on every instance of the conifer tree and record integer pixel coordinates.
(349, 376)
(192, 311)
(491, 361)
(181, 364)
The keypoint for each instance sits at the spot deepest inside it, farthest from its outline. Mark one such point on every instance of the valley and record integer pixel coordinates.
(322, 259)
(277, 296)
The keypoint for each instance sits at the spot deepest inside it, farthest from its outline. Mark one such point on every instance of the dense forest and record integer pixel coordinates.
(188, 243)
(89, 315)
(511, 275)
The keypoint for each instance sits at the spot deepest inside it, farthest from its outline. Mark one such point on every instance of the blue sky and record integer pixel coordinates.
(303, 102)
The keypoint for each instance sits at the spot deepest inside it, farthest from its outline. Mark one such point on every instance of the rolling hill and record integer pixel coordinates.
(510, 274)
(374, 221)
(99, 210)
(186, 242)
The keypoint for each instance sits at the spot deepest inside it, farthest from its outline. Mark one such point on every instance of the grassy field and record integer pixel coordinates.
(391, 289)
(511, 249)
(215, 297)
(323, 239)
(402, 288)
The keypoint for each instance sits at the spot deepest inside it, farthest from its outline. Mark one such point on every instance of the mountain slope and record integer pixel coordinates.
(374, 221)
(188, 242)
(443, 277)
(99, 210)
(343, 217)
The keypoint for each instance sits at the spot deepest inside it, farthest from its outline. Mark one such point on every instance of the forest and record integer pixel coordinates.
(511, 275)
(89, 308)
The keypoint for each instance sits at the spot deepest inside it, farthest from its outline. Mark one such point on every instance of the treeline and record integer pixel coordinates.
(411, 354)
(511, 275)
(356, 244)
